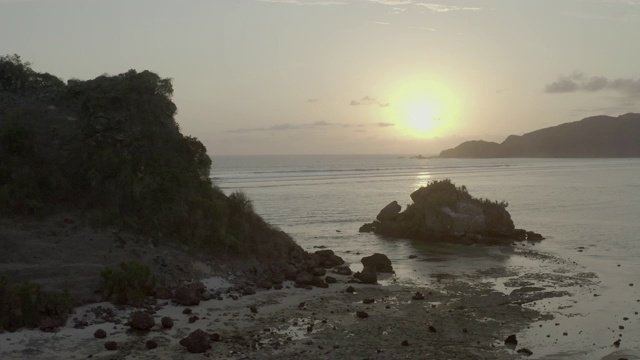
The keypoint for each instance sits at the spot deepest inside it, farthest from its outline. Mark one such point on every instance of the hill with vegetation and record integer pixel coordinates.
(94, 173)
(593, 137)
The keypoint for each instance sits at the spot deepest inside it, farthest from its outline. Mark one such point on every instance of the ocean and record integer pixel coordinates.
(588, 210)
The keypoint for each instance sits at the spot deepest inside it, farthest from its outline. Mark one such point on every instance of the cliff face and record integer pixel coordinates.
(593, 137)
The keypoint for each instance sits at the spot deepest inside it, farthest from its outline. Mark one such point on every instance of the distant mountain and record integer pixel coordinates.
(593, 137)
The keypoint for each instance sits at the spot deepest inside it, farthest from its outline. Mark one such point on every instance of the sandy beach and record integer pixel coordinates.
(461, 316)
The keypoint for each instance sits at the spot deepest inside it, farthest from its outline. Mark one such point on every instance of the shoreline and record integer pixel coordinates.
(470, 313)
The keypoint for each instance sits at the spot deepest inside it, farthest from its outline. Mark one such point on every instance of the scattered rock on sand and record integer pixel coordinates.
(187, 296)
(151, 344)
(330, 280)
(167, 322)
(418, 296)
(100, 334)
(197, 342)
(432, 329)
(253, 309)
(350, 290)
(141, 320)
(362, 314)
(525, 351)
(379, 262)
(368, 301)
(511, 340)
(111, 345)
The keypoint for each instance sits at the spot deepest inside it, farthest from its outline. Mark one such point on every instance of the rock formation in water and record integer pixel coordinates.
(443, 212)
(593, 137)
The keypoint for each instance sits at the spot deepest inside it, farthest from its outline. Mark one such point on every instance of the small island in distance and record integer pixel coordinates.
(593, 137)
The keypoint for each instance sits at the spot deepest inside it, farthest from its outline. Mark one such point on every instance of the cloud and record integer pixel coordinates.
(447, 8)
(580, 82)
(386, 124)
(312, 100)
(305, 2)
(381, 23)
(286, 127)
(368, 100)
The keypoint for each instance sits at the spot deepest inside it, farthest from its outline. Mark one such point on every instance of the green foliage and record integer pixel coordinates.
(443, 193)
(18, 76)
(130, 283)
(110, 147)
(25, 305)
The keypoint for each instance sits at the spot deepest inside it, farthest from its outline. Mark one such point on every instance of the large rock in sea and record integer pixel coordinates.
(389, 212)
(443, 212)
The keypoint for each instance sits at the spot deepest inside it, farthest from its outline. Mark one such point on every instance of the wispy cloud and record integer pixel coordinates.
(369, 100)
(386, 124)
(305, 2)
(393, 2)
(447, 8)
(312, 100)
(286, 127)
(381, 23)
(580, 82)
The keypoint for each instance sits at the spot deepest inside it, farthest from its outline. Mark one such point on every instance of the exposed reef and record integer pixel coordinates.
(443, 212)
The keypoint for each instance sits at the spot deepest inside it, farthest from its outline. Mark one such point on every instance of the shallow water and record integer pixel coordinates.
(587, 209)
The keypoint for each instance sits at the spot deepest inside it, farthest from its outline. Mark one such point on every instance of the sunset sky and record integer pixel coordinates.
(348, 76)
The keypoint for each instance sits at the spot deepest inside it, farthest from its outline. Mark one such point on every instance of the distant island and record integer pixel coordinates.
(593, 137)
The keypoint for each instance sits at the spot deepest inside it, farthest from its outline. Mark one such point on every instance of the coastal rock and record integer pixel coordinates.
(304, 278)
(100, 334)
(511, 340)
(362, 314)
(443, 212)
(327, 258)
(525, 351)
(389, 212)
(197, 342)
(187, 296)
(330, 280)
(151, 344)
(167, 322)
(318, 282)
(367, 276)
(111, 345)
(343, 270)
(141, 320)
(378, 262)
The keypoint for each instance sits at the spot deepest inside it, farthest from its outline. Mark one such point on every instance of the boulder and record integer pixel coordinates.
(304, 278)
(197, 342)
(389, 212)
(318, 282)
(100, 334)
(327, 258)
(167, 322)
(141, 320)
(330, 280)
(367, 276)
(111, 345)
(187, 296)
(379, 262)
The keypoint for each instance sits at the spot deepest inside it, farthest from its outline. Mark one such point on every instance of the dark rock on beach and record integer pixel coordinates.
(378, 262)
(342, 270)
(141, 320)
(368, 275)
(511, 340)
(197, 342)
(100, 334)
(167, 322)
(111, 345)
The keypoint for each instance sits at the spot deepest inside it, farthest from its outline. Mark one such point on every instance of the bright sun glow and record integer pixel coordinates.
(424, 108)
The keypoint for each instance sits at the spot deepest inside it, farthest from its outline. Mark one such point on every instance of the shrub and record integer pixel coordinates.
(27, 304)
(130, 283)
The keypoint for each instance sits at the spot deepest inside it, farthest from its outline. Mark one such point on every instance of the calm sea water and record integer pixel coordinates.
(591, 205)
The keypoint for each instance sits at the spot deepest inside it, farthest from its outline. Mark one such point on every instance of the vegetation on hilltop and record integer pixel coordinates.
(111, 148)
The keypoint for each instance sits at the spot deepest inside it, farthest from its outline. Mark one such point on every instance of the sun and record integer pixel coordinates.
(424, 108)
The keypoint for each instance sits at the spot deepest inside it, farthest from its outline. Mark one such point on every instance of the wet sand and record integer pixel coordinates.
(462, 316)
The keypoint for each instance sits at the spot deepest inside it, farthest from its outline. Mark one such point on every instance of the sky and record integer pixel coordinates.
(348, 76)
